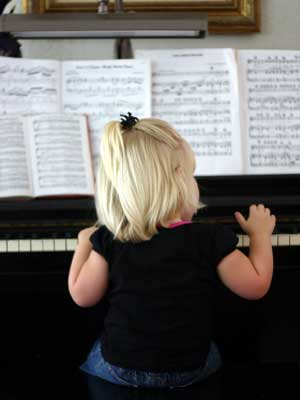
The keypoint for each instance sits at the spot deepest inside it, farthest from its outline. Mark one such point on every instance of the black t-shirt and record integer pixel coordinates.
(161, 295)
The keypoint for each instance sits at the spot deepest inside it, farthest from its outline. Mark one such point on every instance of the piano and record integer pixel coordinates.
(267, 330)
(48, 336)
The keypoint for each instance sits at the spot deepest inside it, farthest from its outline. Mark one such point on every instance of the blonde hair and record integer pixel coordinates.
(138, 185)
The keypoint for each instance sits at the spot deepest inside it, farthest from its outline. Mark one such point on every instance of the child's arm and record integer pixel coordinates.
(88, 276)
(250, 277)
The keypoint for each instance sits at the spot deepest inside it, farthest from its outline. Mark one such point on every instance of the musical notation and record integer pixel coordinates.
(276, 131)
(274, 103)
(104, 90)
(74, 81)
(196, 113)
(61, 182)
(39, 70)
(194, 121)
(197, 91)
(198, 94)
(203, 132)
(58, 123)
(185, 86)
(219, 71)
(212, 148)
(107, 109)
(202, 102)
(100, 89)
(273, 58)
(95, 91)
(35, 91)
(58, 153)
(13, 161)
(275, 159)
(272, 109)
(29, 86)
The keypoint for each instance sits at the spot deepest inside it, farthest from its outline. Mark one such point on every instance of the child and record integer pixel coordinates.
(158, 268)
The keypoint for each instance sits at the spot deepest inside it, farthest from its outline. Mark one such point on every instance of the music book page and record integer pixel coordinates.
(15, 180)
(105, 89)
(270, 104)
(29, 86)
(196, 91)
(60, 155)
(100, 89)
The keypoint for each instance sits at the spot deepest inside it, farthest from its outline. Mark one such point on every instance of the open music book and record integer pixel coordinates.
(101, 89)
(45, 155)
(239, 109)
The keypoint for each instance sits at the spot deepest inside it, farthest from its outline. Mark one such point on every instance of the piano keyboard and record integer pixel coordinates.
(69, 245)
(37, 245)
(277, 240)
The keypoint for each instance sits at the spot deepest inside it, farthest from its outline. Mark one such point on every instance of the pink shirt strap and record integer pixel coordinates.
(179, 223)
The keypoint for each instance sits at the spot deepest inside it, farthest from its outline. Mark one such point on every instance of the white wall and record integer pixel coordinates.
(280, 30)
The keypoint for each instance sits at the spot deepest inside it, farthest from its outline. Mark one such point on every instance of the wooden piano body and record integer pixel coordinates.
(44, 335)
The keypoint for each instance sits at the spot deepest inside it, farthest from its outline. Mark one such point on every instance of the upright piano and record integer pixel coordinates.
(45, 336)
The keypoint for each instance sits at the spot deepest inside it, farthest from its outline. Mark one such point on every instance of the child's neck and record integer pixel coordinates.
(174, 221)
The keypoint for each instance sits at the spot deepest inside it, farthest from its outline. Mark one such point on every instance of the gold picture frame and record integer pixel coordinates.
(224, 16)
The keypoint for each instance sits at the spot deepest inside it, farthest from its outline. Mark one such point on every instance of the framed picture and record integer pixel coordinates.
(224, 16)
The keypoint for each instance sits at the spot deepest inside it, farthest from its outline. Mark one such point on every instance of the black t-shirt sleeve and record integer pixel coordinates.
(224, 241)
(102, 240)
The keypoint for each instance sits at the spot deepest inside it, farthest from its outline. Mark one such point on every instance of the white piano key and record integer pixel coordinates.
(3, 246)
(71, 244)
(295, 239)
(246, 241)
(24, 246)
(36, 245)
(12, 246)
(60, 244)
(274, 240)
(48, 244)
(240, 242)
(283, 240)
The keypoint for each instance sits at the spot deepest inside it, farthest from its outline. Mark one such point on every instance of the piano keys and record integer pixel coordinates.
(37, 245)
(43, 225)
(69, 244)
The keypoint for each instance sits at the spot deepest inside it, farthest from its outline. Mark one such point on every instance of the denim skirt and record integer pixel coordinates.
(96, 365)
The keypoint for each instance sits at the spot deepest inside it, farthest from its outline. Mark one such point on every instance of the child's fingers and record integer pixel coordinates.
(240, 218)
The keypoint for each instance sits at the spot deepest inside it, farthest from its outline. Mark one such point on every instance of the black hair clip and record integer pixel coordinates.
(128, 121)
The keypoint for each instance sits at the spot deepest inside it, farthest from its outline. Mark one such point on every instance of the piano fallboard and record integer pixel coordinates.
(222, 196)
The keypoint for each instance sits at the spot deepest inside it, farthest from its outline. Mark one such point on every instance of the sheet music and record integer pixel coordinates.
(14, 173)
(29, 86)
(271, 102)
(196, 91)
(60, 155)
(105, 89)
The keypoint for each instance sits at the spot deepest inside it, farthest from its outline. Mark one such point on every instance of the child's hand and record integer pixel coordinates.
(85, 234)
(259, 222)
